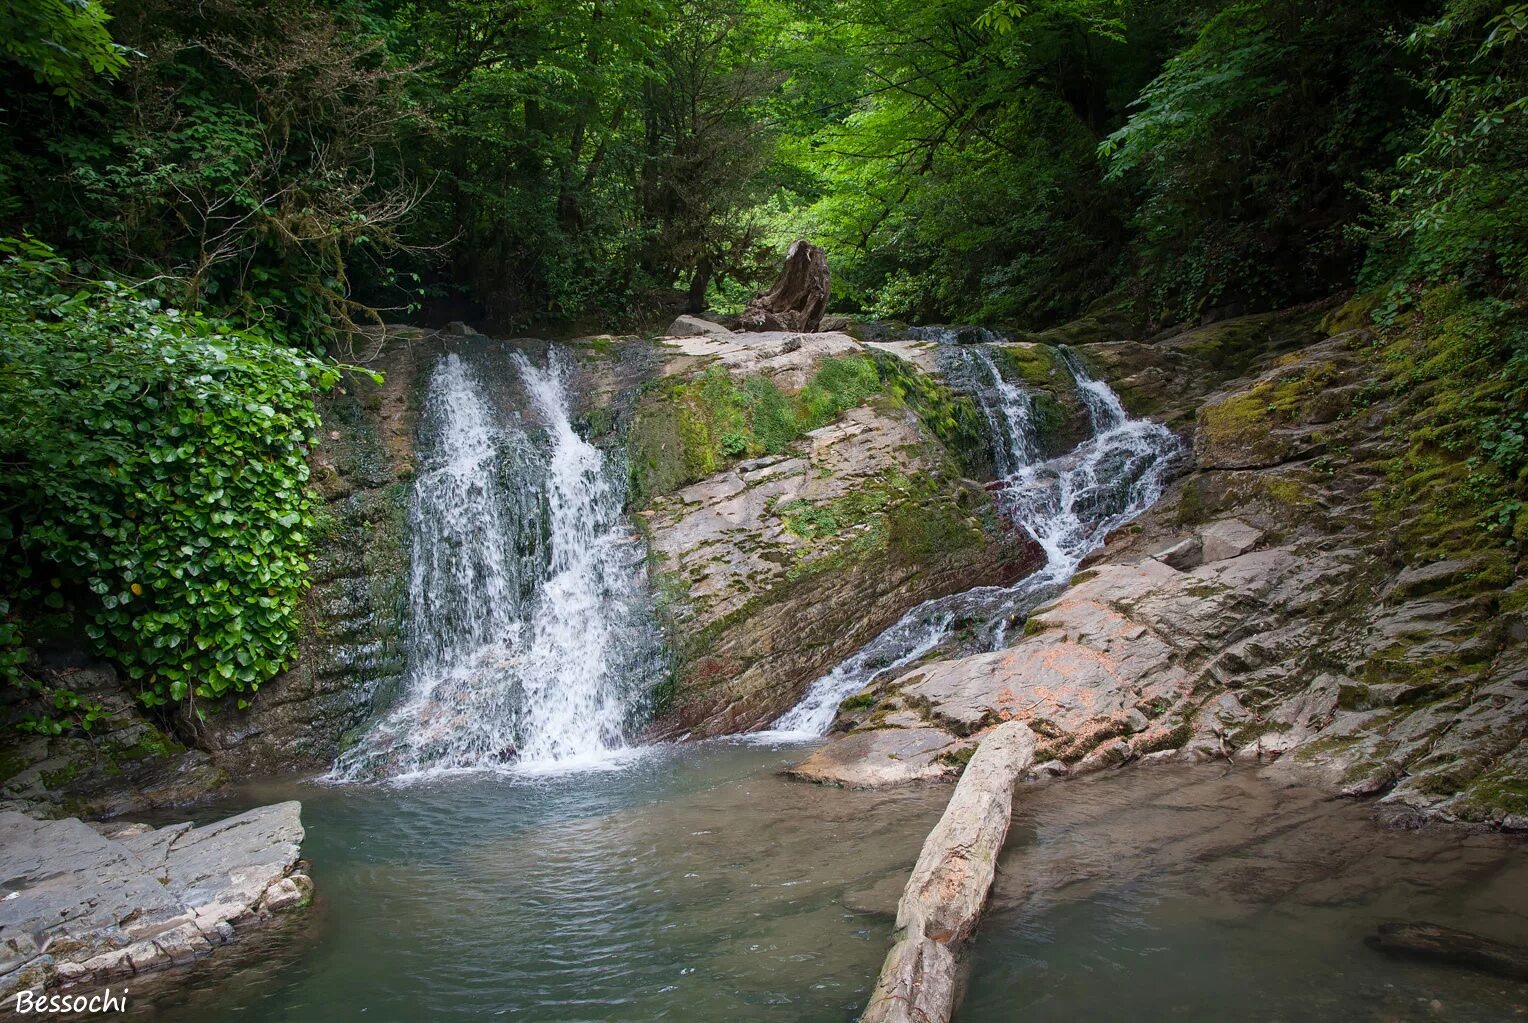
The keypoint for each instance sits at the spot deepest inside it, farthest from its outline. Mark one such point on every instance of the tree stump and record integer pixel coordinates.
(798, 299)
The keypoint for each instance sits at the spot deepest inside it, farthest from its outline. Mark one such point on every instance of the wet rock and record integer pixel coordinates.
(361, 467)
(1455, 947)
(781, 566)
(80, 907)
(1298, 634)
(885, 756)
(126, 765)
(799, 297)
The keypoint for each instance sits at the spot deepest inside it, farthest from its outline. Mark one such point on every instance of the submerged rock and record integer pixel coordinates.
(84, 903)
(883, 756)
(1433, 943)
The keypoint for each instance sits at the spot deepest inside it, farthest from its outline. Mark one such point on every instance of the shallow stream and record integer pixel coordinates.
(695, 884)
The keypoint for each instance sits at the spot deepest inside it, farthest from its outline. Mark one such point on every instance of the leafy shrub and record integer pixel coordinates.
(154, 469)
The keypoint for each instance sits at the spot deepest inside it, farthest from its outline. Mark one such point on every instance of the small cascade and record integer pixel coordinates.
(532, 641)
(1068, 504)
(1009, 411)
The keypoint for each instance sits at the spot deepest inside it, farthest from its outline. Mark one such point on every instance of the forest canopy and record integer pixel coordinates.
(243, 184)
(314, 166)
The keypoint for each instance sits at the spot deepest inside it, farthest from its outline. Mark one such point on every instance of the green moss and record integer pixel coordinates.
(1354, 314)
(1190, 508)
(1032, 364)
(859, 701)
(957, 758)
(152, 745)
(953, 419)
(61, 777)
(924, 532)
(1034, 626)
(12, 763)
(1174, 738)
(686, 430)
(1284, 490)
(1494, 794)
(1456, 376)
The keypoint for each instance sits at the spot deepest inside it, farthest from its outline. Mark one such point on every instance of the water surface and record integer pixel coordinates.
(691, 884)
(1201, 894)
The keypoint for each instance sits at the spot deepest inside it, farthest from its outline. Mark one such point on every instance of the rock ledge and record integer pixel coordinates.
(82, 903)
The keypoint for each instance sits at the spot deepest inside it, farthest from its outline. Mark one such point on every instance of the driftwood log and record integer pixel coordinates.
(1446, 945)
(949, 885)
(798, 299)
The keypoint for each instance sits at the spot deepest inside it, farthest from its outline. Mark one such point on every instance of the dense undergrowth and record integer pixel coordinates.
(156, 469)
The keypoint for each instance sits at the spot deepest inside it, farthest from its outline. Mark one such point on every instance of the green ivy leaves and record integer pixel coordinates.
(155, 463)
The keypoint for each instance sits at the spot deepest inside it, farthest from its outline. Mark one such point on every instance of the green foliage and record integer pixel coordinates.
(1456, 208)
(61, 42)
(1459, 372)
(1248, 146)
(242, 164)
(155, 468)
(957, 179)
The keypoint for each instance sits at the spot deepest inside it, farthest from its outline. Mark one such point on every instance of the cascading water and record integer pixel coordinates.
(1068, 504)
(531, 636)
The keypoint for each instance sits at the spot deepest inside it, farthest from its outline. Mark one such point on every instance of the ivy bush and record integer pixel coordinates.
(154, 467)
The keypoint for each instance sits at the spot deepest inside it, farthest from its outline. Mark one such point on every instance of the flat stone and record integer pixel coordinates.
(885, 756)
(110, 907)
(1228, 538)
(689, 325)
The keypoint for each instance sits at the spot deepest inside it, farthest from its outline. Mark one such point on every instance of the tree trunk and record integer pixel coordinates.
(799, 297)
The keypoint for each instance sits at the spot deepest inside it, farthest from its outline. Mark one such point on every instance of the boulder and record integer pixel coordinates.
(694, 326)
(1229, 538)
(799, 297)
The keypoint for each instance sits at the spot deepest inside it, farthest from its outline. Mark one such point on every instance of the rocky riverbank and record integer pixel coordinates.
(1276, 604)
(94, 903)
(1293, 596)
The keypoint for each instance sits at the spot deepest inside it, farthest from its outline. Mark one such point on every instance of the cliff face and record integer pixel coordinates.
(352, 645)
(1303, 595)
(1289, 600)
(774, 568)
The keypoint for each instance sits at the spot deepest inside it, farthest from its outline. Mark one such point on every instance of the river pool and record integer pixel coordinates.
(693, 883)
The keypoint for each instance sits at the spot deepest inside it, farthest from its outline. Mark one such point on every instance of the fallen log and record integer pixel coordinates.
(1446, 945)
(949, 885)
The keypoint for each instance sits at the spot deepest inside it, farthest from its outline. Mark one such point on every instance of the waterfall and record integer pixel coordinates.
(1067, 504)
(532, 641)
